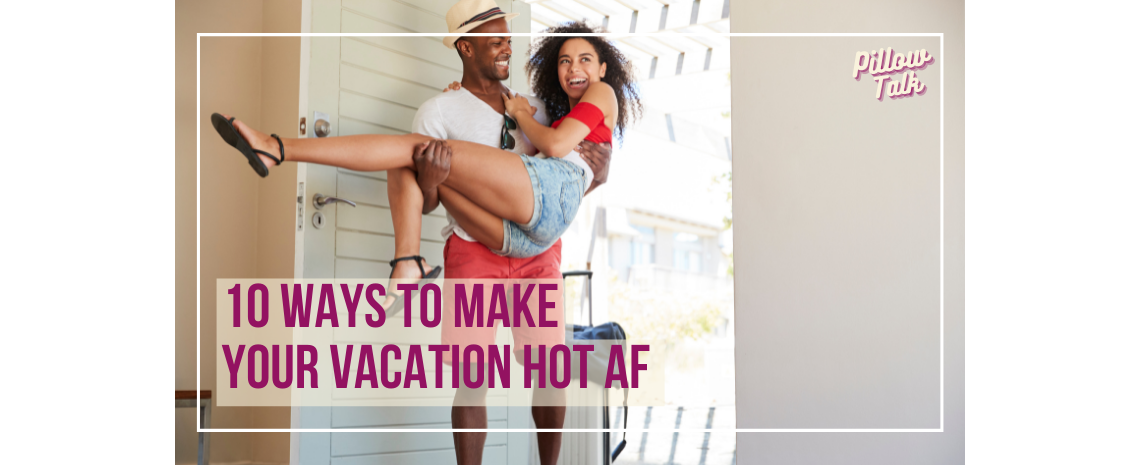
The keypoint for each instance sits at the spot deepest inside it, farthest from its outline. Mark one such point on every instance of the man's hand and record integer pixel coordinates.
(433, 164)
(597, 156)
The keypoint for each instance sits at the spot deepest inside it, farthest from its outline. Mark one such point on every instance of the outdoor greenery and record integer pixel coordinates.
(658, 315)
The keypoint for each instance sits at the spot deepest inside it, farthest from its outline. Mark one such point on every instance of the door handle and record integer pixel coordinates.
(321, 124)
(320, 200)
(322, 128)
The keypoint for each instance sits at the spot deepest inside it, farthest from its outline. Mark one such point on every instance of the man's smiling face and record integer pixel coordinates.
(491, 55)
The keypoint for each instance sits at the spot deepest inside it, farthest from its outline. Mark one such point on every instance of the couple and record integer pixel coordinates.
(507, 206)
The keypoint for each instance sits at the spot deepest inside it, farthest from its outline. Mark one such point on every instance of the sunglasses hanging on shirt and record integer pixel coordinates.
(506, 140)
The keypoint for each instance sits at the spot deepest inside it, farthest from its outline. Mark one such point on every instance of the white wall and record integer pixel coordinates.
(800, 256)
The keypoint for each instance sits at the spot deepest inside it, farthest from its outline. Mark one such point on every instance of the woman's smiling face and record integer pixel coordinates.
(578, 67)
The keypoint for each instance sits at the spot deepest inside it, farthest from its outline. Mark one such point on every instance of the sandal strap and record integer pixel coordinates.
(419, 262)
(266, 154)
(281, 146)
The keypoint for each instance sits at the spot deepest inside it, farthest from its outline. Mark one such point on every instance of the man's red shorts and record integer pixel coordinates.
(472, 260)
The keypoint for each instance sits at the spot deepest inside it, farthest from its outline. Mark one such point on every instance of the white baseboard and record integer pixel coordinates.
(245, 462)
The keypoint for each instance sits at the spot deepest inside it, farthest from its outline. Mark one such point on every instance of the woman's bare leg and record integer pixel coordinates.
(480, 224)
(493, 179)
(367, 152)
(405, 201)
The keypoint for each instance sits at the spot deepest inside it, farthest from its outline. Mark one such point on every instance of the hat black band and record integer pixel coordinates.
(484, 15)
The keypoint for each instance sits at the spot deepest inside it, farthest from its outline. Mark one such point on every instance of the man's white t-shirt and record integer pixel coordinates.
(460, 115)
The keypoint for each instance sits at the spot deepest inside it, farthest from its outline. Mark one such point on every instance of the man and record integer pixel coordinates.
(474, 113)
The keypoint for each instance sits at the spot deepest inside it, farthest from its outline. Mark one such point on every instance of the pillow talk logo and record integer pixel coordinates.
(881, 64)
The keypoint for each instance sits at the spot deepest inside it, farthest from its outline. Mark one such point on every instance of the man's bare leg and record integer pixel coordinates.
(469, 411)
(469, 446)
(549, 412)
(548, 407)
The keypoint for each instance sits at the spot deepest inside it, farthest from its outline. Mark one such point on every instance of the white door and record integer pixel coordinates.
(374, 85)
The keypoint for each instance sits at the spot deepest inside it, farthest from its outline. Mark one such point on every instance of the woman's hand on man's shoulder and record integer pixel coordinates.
(518, 105)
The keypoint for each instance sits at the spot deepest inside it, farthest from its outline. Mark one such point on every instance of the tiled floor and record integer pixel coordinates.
(689, 448)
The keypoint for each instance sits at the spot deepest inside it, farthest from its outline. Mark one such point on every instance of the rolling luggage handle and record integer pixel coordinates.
(588, 288)
(588, 295)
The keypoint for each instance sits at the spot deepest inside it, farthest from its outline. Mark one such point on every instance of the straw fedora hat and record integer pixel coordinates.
(466, 15)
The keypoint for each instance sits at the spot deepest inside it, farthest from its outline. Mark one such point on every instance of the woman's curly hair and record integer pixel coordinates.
(543, 70)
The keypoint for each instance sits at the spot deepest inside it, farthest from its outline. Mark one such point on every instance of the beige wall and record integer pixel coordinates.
(246, 222)
(833, 225)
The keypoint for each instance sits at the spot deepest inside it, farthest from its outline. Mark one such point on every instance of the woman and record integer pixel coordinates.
(585, 83)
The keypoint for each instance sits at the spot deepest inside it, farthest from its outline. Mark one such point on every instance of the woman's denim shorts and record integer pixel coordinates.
(558, 187)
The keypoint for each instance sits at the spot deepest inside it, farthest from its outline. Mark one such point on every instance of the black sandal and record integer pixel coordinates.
(231, 135)
(397, 304)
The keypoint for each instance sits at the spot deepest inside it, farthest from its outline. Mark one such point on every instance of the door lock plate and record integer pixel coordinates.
(321, 124)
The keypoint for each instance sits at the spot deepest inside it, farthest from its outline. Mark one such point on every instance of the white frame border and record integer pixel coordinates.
(941, 244)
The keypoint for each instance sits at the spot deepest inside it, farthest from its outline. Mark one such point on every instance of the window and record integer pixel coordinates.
(664, 14)
(708, 58)
(680, 62)
(687, 252)
(653, 68)
(633, 21)
(687, 260)
(641, 249)
(669, 125)
(696, 9)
